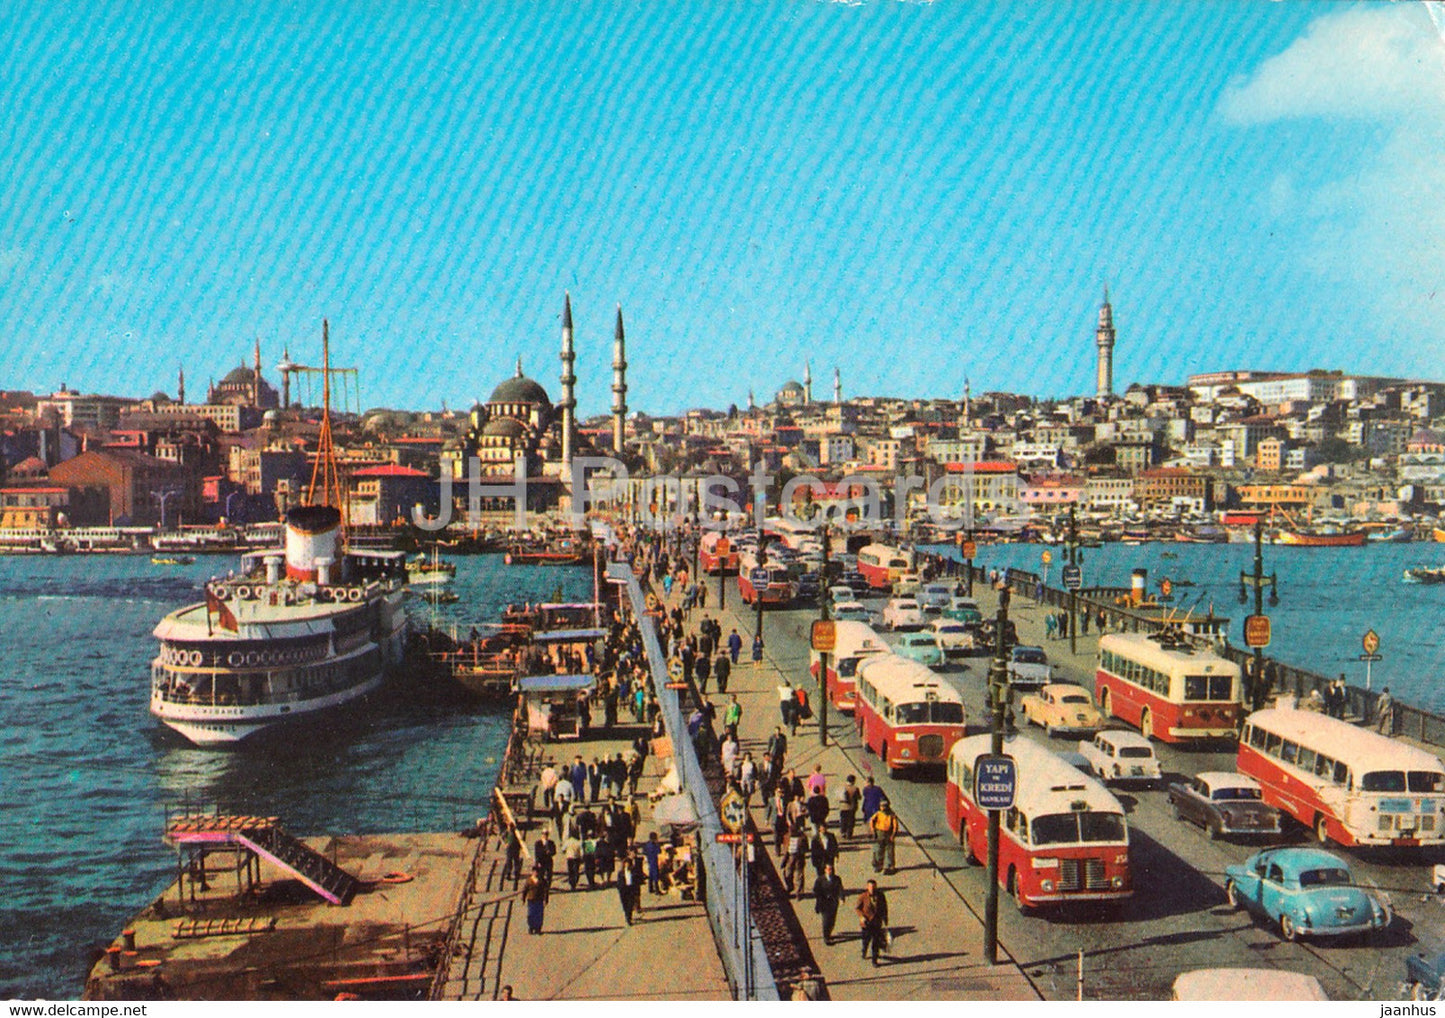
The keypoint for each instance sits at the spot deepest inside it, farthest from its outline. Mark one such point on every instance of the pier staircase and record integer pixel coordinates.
(265, 837)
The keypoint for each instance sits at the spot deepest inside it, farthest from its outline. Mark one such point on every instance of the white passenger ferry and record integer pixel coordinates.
(300, 632)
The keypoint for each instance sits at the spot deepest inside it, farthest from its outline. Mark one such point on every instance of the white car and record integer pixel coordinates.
(907, 584)
(953, 638)
(902, 613)
(1120, 756)
(934, 597)
(851, 611)
(838, 593)
(1029, 668)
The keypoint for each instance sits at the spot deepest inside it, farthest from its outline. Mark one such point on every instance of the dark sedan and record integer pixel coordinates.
(1223, 803)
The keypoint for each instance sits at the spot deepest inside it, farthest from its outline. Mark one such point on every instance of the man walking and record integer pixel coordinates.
(885, 833)
(545, 851)
(652, 852)
(534, 894)
(848, 801)
(723, 670)
(734, 712)
(827, 894)
(629, 888)
(512, 868)
(872, 909)
(824, 849)
(1385, 713)
(735, 645)
(872, 799)
(795, 866)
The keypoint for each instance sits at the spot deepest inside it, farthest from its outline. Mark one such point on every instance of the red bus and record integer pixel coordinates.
(1349, 785)
(1064, 840)
(906, 714)
(716, 554)
(882, 564)
(1168, 687)
(770, 584)
(855, 642)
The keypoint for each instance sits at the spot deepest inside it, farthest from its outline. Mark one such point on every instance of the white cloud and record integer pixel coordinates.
(1360, 62)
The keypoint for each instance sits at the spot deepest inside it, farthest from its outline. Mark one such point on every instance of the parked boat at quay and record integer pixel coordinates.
(568, 550)
(272, 646)
(422, 570)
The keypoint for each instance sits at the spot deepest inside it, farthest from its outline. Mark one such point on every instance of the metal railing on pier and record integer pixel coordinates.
(738, 940)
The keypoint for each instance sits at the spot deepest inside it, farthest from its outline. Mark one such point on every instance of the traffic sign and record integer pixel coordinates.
(733, 811)
(733, 837)
(1166, 586)
(677, 685)
(1256, 631)
(995, 781)
(1073, 577)
(1046, 557)
(970, 549)
(824, 635)
(1371, 642)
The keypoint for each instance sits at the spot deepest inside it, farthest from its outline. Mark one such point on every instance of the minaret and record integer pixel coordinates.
(181, 387)
(752, 403)
(1104, 339)
(619, 385)
(256, 381)
(568, 405)
(807, 383)
(967, 402)
(285, 367)
(837, 388)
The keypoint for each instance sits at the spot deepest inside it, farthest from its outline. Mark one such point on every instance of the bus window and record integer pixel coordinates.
(1221, 687)
(1288, 751)
(1196, 687)
(1101, 827)
(848, 667)
(945, 713)
(1306, 761)
(1426, 781)
(1271, 743)
(1056, 829)
(912, 713)
(1256, 736)
(1383, 781)
(1342, 775)
(1323, 766)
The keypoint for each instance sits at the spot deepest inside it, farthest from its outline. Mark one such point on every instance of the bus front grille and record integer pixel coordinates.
(1069, 875)
(930, 747)
(1094, 876)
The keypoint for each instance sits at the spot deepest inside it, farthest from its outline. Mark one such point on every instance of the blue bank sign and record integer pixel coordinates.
(995, 781)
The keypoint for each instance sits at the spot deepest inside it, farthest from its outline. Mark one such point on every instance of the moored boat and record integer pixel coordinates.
(1424, 575)
(1320, 537)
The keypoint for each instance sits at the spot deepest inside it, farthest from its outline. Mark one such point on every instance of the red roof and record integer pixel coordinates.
(389, 470)
(984, 467)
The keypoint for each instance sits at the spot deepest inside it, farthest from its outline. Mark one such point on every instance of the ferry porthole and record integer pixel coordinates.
(236, 659)
(195, 658)
(253, 659)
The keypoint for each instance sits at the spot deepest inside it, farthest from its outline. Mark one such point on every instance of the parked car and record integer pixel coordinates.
(1062, 707)
(920, 647)
(1120, 756)
(907, 584)
(852, 611)
(1425, 974)
(840, 592)
(963, 609)
(857, 582)
(1029, 668)
(954, 639)
(1247, 984)
(1223, 803)
(934, 597)
(807, 589)
(902, 613)
(1307, 891)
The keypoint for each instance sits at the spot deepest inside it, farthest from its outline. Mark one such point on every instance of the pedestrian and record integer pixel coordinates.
(1385, 713)
(594, 779)
(885, 833)
(733, 714)
(652, 852)
(778, 810)
(589, 861)
(817, 782)
(534, 894)
(757, 650)
(634, 773)
(545, 852)
(817, 806)
(579, 780)
(747, 777)
(1051, 625)
(1099, 621)
(629, 888)
(729, 754)
(777, 750)
(723, 669)
(872, 909)
(512, 867)
(547, 781)
(795, 865)
(1084, 622)
(848, 800)
(827, 893)
(702, 595)
(735, 645)
(823, 849)
(787, 705)
(872, 799)
(572, 853)
(702, 667)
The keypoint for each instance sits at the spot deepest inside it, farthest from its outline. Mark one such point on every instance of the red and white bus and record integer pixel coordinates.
(1064, 840)
(906, 714)
(1349, 785)
(882, 564)
(716, 554)
(855, 641)
(1171, 689)
(770, 584)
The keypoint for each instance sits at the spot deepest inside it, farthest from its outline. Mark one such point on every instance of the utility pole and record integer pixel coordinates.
(1073, 594)
(758, 594)
(1257, 580)
(999, 696)
(824, 613)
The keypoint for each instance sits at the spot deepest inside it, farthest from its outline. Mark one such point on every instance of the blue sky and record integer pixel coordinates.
(913, 192)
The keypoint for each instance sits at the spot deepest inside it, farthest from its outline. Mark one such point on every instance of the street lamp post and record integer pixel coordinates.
(1073, 594)
(823, 657)
(1257, 580)
(758, 594)
(230, 496)
(999, 696)
(163, 497)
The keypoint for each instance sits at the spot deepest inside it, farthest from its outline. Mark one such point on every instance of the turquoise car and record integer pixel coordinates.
(920, 647)
(1307, 893)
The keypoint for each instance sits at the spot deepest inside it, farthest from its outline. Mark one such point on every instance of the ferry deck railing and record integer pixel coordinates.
(738, 940)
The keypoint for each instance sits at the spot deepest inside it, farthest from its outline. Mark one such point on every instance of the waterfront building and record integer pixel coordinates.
(136, 486)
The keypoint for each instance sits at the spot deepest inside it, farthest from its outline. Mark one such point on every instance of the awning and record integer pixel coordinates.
(555, 683)
(568, 635)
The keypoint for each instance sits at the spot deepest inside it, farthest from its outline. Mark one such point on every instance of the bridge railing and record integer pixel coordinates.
(738, 941)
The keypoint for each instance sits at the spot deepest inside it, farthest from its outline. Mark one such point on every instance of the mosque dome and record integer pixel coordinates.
(520, 389)
(239, 376)
(504, 427)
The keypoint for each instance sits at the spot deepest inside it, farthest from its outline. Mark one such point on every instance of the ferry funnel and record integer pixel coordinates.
(1138, 585)
(310, 536)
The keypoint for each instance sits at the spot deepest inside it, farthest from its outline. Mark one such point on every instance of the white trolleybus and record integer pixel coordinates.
(855, 641)
(1168, 687)
(906, 714)
(1065, 839)
(1347, 784)
(882, 564)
